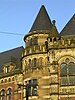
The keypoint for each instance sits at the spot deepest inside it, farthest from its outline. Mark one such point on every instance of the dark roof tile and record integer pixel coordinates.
(42, 21)
(13, 55)
(69, 29)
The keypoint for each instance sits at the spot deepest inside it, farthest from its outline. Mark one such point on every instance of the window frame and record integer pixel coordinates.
(70, 76)
(9, 94)
(2, 94)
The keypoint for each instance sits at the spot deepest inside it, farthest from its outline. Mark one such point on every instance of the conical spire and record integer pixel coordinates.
(42, 21)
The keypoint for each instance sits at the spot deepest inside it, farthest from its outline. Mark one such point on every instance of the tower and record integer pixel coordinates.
(52, 45)
(35, 58)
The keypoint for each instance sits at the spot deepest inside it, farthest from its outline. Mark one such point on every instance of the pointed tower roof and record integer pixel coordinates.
(54, 31)
(42, 21)
(69, 29)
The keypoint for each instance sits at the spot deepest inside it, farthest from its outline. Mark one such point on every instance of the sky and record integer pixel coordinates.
(17, 17)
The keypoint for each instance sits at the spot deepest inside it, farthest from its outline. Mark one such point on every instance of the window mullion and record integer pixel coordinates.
(68, 75)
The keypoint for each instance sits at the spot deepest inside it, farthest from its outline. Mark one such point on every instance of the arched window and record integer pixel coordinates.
(35, 62)
(7, 69)
(46, 60)
(13, 79)
(27, 43)
(50, 39)
(67, 73)
(71, 68)
(35, 40)
(29, 62)
(9, 94)
(2, 94)
(25, 63)
(40, 61)
(63, 69)
(54, 39)
(9, 79)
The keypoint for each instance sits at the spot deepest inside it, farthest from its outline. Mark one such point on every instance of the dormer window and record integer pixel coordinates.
(7, 69)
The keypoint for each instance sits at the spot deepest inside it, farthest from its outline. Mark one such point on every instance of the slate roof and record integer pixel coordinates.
(54, 31)
(42, 21)
(69, 29)
(13, 55)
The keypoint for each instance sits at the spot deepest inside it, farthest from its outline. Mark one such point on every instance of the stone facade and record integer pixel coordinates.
(44, 69)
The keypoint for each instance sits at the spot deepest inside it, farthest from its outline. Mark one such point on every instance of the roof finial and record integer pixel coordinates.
(42, 4)
(53, 22)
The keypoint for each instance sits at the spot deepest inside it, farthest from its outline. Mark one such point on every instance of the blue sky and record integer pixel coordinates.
(17, 16)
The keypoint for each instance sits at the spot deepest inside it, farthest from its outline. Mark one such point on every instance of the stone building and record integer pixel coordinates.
(10, 73)
(44, 69)
(61, 53)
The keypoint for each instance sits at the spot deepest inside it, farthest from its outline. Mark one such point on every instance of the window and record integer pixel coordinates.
(71, 68)
(13, 79)
(50, 39)
(5, 80)
(54, 39)
(2, 94)
(29, 62)
(9, 93)
(35, 40)
(34, 90)
(7, 69)
(9, 79)
(31, 40)
(32, 87)
(67, 73)
(19, 88)
(40, 61)
(46, 60)
(35, 62)
(63, 69)
(1, 81)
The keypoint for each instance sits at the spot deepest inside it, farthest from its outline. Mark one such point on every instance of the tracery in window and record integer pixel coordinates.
(67, 73)
(29, 62)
